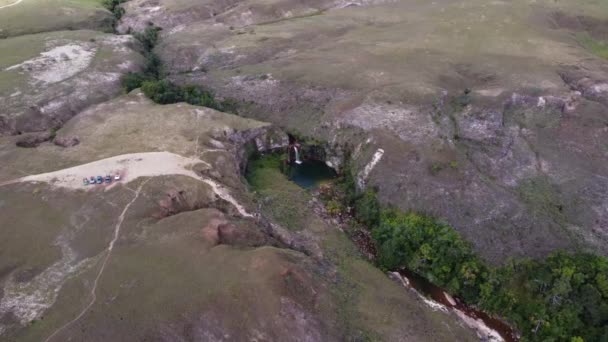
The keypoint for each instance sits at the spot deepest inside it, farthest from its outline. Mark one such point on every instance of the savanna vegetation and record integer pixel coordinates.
(597, 47)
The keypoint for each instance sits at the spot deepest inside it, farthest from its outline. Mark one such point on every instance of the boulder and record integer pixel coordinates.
(66, 141)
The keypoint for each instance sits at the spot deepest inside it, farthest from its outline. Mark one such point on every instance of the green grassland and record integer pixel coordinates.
(33, 16)
(405, 46)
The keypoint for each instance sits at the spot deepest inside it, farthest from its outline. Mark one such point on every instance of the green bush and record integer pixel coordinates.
(113, 6)
(154, 66)
(198, 97)
(334, 208)
(367, 208)
(162, 92)
(149, 37)
(133, 80)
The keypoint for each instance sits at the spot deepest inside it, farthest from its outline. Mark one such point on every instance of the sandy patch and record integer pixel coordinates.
(28, 301)
(131, 167)
(57, 64)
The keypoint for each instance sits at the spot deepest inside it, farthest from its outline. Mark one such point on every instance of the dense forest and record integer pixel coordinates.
(561, 298)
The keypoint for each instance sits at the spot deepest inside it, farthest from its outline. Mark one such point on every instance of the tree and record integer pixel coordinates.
(368, 208)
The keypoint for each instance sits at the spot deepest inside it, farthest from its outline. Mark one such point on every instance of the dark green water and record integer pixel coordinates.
(310, 174)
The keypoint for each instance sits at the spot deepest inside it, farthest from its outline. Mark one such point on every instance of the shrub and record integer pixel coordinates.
(149, 37)
(198, 97)
(162, 92)
(114, 7)
(333, 208)
(154, 66)
(151, 79)
(367, 208)
(132, 81)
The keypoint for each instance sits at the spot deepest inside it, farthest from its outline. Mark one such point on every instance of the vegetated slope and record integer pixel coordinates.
(491, 115)
(34, 16)
(171, 257)
(49, 77)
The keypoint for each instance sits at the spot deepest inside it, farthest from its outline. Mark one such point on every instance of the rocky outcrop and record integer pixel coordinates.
(33, 139)
(503, 143)
(62, 78)
(260, 140)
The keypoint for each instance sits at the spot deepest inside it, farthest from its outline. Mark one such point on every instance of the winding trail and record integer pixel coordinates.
(130, 167)
(103, 265)
(13, 4)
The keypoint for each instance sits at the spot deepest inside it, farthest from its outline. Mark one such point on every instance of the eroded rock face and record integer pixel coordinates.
(68, 72)
(503, 136)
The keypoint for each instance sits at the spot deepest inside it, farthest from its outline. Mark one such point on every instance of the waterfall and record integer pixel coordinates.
(298, 161)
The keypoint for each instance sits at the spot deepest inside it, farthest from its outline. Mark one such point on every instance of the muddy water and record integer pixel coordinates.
(435, 293)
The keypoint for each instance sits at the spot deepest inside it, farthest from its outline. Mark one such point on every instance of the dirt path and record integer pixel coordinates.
(103, 265)
(129, 166)
(9, 5)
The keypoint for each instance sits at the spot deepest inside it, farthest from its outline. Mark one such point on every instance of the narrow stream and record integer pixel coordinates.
(438, 295)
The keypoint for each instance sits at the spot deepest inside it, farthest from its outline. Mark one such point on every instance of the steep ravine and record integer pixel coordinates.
(316, 178)
(522, 170)
(190, 274)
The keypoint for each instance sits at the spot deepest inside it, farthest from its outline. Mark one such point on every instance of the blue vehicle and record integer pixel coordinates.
(108, 179)
(99, 180)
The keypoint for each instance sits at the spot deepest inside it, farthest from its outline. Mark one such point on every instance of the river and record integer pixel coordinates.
(488, 328)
